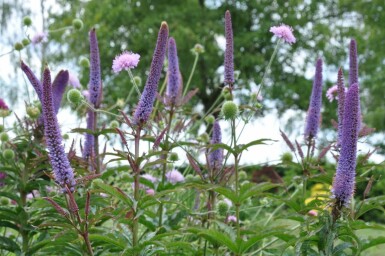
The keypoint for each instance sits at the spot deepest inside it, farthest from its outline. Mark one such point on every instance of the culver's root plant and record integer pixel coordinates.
(153, 175)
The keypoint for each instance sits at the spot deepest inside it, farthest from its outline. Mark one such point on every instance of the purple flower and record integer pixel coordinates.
(285, 32)
(32, 79)
(216, 156)
(314, 112)
(125, 61)
(229, 51)
(331, 93)
(174, 176)
(145, 105)
(174, 81)
(231, 218)
(74, 81)
(61, 167)
(353, 63)
(95, 84)
(344, 180)
(88, 148)
(58, 88)
(149, 177)
(341, 103)
(3, 106)
(39, 37)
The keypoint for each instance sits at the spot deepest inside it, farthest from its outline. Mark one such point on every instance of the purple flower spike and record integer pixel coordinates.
(88, 149)
(353, 63)
(174, 81)
(229, 51)
(95, 84)
(58, 88)
(314, 112)
(32, 79)
(341, 104)
(216, 157)
(344, 181)
(61, 167)
(146, 102)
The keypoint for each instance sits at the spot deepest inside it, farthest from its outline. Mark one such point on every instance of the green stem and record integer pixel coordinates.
(96, 145)
(237, 205)
(191, 74)
(134, 83)
(135, 225)
(98, 110)
(59, 29)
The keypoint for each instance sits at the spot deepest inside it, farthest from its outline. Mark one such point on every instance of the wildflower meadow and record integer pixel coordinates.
(150, 175)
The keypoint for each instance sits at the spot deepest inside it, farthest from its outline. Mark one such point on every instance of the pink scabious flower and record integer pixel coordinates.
(73, 81)
(39, 37)
(149, 177)
(231, 218)
(3, 106)
(125, 61)
(284, 32)
(228, 202)
(174, 176)
(331, 93)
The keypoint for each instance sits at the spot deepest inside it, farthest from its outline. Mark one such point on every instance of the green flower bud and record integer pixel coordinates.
(138, 80)
(66, 136)
(204, 137)
(242, 175)
(222, 208)
(74, 96)
(27, 21)
(189, 178)
(77, 24)
(287, 157)
(114, 124)
(210, 119)
(18, 46)
(84, 62)
(229, 110)
(226, 92)
(25, 42)
(1, 128)
(4, 137)
(33, 112)
(8, 154)
(173, 157)
(120, 103)
(198, 48)
(4, 201)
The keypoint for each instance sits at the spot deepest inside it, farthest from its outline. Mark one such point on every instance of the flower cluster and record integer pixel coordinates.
(174, 177)
(216, 156)
(284, 32)
(229, 51)
(125, 61)
(174, 81)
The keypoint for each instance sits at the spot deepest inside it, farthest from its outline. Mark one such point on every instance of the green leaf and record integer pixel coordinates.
(373, 242)
(252, 189)
(9, 245)
(109, 240)
(341, 247)
(240, 148)
(215, 236)
(115, 193)
(227, 193)
(221, 145)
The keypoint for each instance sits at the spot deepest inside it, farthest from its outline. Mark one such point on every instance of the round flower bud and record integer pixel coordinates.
(114, 124)
(210, 119)
(25, 42)
(189, 178)
(204, 137)
(84, 62)
(226, 93)
(242, 175)
(222, 208)
(66, 136)
(4, 137)
(229, 110)
(287, 157)
(4, 201)
(77, 24)
(8, 154)
(1, 128)
(27, 21)
(173, 157)
(138, 80)
(33, 112)
(74, 96)
(198, 48)
(18, 46)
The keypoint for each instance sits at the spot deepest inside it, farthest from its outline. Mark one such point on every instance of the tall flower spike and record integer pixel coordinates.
(216, 156)
(32, 79)
(58, 88)
(95, 83)
(314, 111)
(229, 51)
(341, 104)
(88, 149)
(173, 83)
(353, 63)
(60, 165)
(146, 102)
(344, 180)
